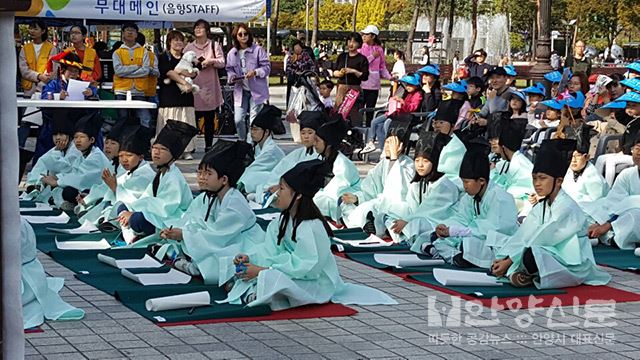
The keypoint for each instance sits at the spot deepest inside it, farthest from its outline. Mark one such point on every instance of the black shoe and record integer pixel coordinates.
(460, 262)
(429, 249)
(369, 228)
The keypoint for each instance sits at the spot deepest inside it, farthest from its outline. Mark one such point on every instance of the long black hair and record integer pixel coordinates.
(307, 210)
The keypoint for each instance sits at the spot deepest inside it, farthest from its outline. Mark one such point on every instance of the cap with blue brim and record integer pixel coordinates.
(432, 69)
(538, 88)
(511, 70)
(631, 96)
(634, 66)
(576, 101)
(459, 87)
(554, 104)
(411, 80)
(633, 84)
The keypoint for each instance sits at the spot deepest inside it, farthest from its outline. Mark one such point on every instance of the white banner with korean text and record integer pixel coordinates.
(150, 10)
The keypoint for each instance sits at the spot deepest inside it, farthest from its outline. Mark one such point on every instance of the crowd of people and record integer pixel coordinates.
(497, 178)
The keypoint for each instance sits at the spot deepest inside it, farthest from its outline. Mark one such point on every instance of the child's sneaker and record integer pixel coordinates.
(370, 147)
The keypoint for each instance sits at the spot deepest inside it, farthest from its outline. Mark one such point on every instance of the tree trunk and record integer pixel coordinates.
(316, 23)
(354, 16)
(274, 22)
(452, 12)
(412, 30)
(433, 23)
(474, 25)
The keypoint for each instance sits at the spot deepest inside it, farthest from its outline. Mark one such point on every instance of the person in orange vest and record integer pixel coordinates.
(131, 66)
(32, 62)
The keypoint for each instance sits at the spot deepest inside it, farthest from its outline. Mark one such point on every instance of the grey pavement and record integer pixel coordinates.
(426, 324)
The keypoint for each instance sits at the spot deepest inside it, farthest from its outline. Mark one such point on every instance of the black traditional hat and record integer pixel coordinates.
(448, 111)
(229, 158)
(61, 123)
(430, 145)
(554, 157)
(133, 140)
(268, 118)
(175, 136)
(401, 127)
(307, 177)
(89, 125)
(584, 139)
(512, 133)
(333, 131)
(311, 119)
(475, 163)
(494, 123)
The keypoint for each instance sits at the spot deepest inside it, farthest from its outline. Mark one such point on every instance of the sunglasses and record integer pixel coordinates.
(243, 34)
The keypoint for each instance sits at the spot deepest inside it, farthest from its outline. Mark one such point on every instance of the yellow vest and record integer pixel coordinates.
(89, 61)
(39, 64)
(124, 84)
(152, 81)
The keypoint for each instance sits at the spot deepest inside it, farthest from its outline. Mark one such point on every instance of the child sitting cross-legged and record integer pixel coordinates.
(294, 265)
(549, 248)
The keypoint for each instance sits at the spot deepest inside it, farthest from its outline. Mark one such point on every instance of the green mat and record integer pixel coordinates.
(47, 242)
(114, 281)
(616, 258)
(367, 258)
(86, 261)
(135, 300)
(52, 212)
(506, 290)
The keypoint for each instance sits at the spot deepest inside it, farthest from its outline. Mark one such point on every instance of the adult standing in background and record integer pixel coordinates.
(175, 104)
(477, 65)
(32, 62)
(248, 68)
(298, 63)
(373, 51)
(131, 67)
(579, 62)
(211, 57)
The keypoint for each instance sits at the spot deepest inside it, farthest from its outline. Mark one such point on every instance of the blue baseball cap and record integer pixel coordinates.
(511, 70)
(432, 69)
(633, 84)
(553, 77)
(538, 88)
(459, 87)
(554, 104)
(630, 96)
(615, 105)
(519, 94)
(634, 66)
(413, 79)
(577, 101)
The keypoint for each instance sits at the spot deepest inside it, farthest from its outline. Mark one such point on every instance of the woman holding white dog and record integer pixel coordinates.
(174, 103)
(211, 58)
(248, 68)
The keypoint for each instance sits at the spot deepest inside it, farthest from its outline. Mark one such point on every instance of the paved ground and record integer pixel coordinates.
(426, 324)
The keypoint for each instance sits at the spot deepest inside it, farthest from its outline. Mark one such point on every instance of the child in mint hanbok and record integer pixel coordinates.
(168, 195)
(452, 154)
(431, 197)
(383, 192)
(294, 265)
(548, 249)
(122, 187)
(267, 153)
(462, 239)
(309, 121)
(344, 175)
(617, 216)
(84, 172)
(55, 161)
(219, 223)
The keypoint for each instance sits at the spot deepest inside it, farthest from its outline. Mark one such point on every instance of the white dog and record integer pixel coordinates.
(187, 62)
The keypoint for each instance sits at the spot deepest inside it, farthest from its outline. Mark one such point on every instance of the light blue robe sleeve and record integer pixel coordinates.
(265, 161)
(172, 200)
(87, 173)
(346, 179)
(131, 187)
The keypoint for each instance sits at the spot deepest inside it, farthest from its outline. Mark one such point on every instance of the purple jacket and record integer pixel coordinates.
(258, 60)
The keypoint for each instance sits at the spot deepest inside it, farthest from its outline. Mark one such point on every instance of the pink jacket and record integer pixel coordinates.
(377, 67)
(210, 95)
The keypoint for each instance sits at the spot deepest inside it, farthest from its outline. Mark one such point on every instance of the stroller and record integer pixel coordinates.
(225, 121)
(304, 97)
